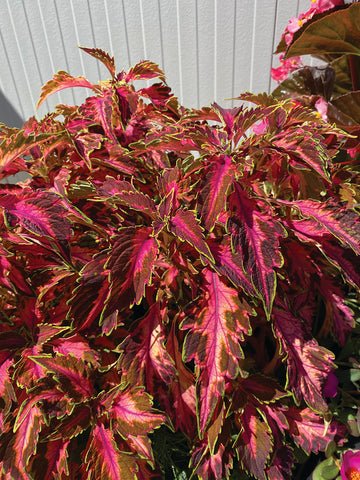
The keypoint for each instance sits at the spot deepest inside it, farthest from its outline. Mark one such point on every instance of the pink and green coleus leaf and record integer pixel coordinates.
(229, 264)
(39, 213)
(55, 453)
(310, 432)
(104, 57)
(131, 264)
(254, 443)
(105, 460)
(305, 148)
(308, 363)
(125, 193)
(101, 109)
(255, 235)
(19, 144)
(144, 70)
(186, 227)
(24, 445)
(327, 217)
(212, 198)
(131, 411)
(144, 356)
(217, 326)
(62, 80)
(91, 295)
(72, 374)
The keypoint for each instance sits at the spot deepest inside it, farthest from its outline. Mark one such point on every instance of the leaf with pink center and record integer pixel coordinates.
(305, 149)
(104, 57)
(104, 459)
(131, 264)
(254, 443)
(19, 144)
(342, 223)
(102, 109)
(144, 70)
(229, 264)
(217, 326)
(91, 295)
(212, 199)
(308, 363)
(185, 226)
(144, 358)
(40, 214)
(310, 432)
(71, 373)
(62, 80)
(131, 411)
(77, 346)
(125, 193)
(23, 445)
(255, 236)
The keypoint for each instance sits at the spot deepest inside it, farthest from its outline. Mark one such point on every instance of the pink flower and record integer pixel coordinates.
(289, 65)
(296, 23)
(330, 389)
(350, 468)
(322, 106)
(323, 5)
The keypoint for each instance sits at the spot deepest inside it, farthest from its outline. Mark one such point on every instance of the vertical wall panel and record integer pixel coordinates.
(188, 34)
(224, 57)
(170, 36)
(206, 39)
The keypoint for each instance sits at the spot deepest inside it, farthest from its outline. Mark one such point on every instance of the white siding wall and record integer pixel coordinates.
(210, 50)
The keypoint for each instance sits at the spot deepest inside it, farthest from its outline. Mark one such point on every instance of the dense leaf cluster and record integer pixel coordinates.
(173, 271)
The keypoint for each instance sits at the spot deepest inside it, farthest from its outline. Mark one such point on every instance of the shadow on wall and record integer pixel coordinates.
(10, 117)
(8, 114)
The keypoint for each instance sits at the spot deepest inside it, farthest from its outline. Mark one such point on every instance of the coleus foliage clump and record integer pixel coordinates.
(169, 272)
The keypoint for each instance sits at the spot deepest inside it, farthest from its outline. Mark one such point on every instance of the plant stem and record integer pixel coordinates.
(353, 72)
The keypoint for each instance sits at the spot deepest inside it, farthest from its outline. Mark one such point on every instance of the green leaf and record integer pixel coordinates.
(349, 106)
(337, 32)
(326, 470)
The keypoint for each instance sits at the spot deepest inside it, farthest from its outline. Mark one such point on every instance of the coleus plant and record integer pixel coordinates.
(171, 273)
